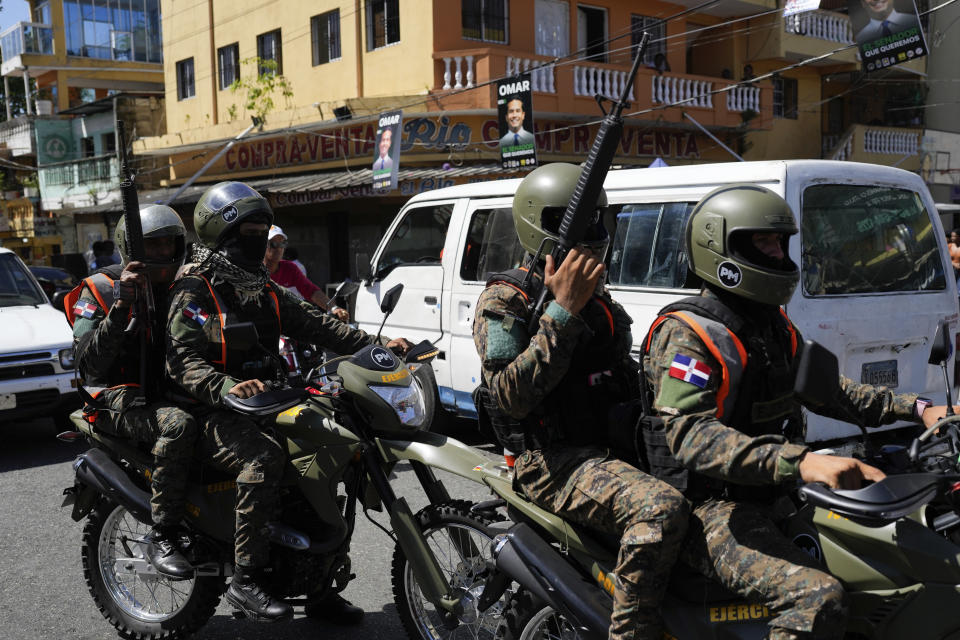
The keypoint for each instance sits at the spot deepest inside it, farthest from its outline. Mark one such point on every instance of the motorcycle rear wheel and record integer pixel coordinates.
(527, 618)
(138, 606)
(448, 528)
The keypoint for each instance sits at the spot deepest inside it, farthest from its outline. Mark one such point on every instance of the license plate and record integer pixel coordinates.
(8, 400)
(880, 373)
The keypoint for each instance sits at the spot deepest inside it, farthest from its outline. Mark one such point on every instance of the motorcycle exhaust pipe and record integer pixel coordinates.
(528, 559)
(95, 469)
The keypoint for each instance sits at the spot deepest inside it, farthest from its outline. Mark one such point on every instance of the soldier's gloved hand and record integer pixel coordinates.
(131, 279)
(400, 346)
(837, 472)
(248, 388)
(574, 283)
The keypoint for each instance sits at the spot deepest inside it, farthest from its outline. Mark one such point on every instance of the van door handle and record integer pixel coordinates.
(430, 300)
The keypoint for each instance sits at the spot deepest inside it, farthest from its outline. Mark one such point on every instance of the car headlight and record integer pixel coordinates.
(407, 402)
(66, 358)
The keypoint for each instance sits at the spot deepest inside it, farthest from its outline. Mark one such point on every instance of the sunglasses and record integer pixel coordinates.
(277, 244)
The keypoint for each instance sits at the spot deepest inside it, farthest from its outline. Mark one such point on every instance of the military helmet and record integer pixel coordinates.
(224, 207)
(157, 221)
(540, 202)
(720, 246)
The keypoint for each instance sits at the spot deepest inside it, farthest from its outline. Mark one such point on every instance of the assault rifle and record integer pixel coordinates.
(583, 205)
(141, 317)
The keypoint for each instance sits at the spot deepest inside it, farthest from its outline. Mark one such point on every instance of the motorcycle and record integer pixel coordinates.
(895, 546)
(344, 431)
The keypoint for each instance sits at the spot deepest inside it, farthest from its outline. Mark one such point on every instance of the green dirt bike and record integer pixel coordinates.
(895, 545)
(344, 431)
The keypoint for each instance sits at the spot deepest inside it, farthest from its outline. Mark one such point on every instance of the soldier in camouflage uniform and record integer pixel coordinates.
(109, 363)
(226, 283)
(547, 393)
(721, 371)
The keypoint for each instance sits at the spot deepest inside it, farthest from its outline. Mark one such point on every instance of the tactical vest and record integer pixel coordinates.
(243, 364)
(755, 395)
(575, 412)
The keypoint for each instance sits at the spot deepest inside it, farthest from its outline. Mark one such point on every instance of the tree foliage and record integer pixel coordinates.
(260, 87)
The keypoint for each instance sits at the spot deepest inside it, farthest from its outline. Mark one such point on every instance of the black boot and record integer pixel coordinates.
(334, 608)
(255, 603)
(165, 555)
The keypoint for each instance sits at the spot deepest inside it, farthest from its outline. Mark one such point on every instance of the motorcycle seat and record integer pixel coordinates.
(889, 499)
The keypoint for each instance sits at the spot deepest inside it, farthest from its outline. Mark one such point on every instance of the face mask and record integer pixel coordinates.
(246, 251)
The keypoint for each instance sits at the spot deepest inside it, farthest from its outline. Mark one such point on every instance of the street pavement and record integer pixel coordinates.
(42, 591)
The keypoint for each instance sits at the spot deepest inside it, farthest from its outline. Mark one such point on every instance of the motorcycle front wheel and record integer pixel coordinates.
(461, 541)
(143, 606)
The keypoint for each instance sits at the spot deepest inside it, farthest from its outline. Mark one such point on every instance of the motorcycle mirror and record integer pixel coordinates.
(345, 290)
(242, 336)
(818, 374)
(940, 349)
(390, 298)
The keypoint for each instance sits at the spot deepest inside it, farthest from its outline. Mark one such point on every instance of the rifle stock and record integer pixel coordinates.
(580, 210)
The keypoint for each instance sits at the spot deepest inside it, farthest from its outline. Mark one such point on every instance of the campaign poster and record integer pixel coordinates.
(386, 155)
(793, 7)
(887, 32)
(514, 109)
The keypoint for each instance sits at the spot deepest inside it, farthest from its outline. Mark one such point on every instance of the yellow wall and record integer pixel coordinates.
(789, 138)
(402, 69)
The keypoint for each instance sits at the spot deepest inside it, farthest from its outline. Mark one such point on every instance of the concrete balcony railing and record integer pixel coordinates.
(879, 145)
(823, 25)
(570, 88)
(17, 136)
(26, 37)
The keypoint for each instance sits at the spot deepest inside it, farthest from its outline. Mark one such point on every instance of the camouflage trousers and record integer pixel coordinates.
(738, 545)
(236, 444)
(590, 488)
(172, 433)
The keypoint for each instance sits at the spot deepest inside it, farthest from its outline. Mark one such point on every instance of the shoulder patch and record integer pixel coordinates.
(506, 337)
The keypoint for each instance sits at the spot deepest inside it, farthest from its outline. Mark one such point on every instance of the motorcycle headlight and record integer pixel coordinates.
(66, 358)
(406, 401)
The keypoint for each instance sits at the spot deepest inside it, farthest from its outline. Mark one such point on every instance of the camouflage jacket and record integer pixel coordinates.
(705, 444)
(521, 370)
(106, 356)
(194, 336)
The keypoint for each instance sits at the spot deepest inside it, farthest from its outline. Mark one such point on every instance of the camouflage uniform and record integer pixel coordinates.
(735, 540)
(108, 358)
(575, 475)
(233, 442)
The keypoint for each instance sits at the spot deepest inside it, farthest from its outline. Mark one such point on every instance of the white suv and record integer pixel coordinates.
(36, 348)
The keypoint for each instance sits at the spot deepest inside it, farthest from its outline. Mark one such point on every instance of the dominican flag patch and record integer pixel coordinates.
(689, 370)
(84, 309)
(195, 313)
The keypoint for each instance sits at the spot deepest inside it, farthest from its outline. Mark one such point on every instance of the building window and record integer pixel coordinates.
(784, 97)
(185, 79)
(108, 143)
(383, 23)
(484, 20)
(268, 48)
(228, 65)
(326, 37)
(592, 33)
(112, 29)
(87, 147)
(658, 32)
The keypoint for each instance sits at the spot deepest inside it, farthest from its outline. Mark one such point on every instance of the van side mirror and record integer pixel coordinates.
(390, 298)
(941, 347)
(818, 374)
(364, 270)
(242, 336)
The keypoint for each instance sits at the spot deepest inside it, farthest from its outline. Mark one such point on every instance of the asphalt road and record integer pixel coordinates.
(42, 591)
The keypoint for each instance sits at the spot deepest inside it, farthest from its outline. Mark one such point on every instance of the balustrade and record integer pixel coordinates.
(892, 141)
(743, 98)
(591, 81)
(667, 89)
(823, 25)
(463, 72)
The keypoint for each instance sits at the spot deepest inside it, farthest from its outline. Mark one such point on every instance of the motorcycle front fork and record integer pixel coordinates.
(423, 563)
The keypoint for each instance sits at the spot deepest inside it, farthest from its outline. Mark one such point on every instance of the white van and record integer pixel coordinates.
(875, 274)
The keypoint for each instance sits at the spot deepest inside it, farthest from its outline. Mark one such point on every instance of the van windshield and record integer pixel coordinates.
(17, 285)
(867, 239)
